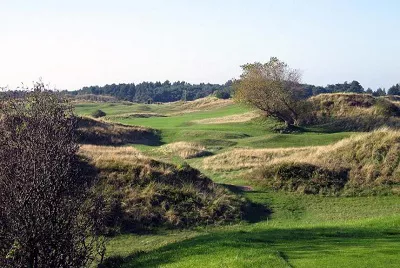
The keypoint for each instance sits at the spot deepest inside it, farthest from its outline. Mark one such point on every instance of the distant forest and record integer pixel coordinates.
(168, 92)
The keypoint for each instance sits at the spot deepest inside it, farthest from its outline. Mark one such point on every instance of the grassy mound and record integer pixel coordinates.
(363, 164)
(238, 159)
(142, 193)
(92, 131)
(185, 150)
(203, 104)
(362, 112)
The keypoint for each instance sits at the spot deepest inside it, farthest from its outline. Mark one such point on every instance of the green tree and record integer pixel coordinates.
(379, 92)
(394, 90)
(355, 87)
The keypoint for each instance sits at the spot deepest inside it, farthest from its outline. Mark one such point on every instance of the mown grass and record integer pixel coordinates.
(301, 231)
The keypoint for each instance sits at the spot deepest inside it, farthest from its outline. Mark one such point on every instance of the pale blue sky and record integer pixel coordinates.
(76, 43)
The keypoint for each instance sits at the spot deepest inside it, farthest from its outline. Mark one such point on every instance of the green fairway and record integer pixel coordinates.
(300, 231)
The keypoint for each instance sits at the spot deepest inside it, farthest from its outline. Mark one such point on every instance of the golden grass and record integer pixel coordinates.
(185, 150)
(236, 118)
(238, 159)
(349, 104)
(371, 158)
(207, 103)
(340, 153)
(92, 131)
(97, 153)
(148, 193)
(345, 104)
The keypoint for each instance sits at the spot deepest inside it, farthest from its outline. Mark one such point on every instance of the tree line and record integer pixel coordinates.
(156, 91)
(181, 90)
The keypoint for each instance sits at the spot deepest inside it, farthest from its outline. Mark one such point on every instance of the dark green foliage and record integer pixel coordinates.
(394, 90)
(222, 94)
(155, 92)
(379, 92)
(353, 87)
(167, 92)
(304, 178)
(98, 114)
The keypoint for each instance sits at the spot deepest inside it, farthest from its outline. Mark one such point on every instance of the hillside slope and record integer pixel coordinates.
(142, 193)
(360, 112)
(363, 163)
(91, 131)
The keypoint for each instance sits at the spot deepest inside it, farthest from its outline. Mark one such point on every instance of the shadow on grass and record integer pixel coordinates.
(291, 244)
(252, 212)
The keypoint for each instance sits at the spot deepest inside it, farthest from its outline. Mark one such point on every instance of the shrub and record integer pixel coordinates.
(387, 108)
(221, 94)
(46, 218)
(304, 178)
(98, 114)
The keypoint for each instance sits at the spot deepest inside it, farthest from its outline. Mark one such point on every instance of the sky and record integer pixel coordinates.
(71, 44)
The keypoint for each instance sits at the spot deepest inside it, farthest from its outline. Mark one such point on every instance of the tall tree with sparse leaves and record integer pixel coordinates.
(48, 215)
(274, 88)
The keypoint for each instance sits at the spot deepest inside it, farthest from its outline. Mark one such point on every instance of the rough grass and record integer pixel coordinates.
(363, 163)
(238, 159)
(302, 231)
(98, 132)
(349, 111)
(134, 115)
(142, 193)
(207, 103)
(184, 150)
(237, 118)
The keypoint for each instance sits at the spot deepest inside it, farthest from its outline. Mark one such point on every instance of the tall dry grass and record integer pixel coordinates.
(236, 118)
(363, 161)
(91, 131)
(184, 150)
(141, 193)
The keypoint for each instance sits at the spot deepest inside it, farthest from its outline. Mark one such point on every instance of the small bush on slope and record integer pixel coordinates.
(98, 114)
(364, 163)
(97, 132)
(142, 193)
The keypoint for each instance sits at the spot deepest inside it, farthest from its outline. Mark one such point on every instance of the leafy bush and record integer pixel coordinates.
(304, 178)
(98, 114)
(222, 94)
(385, 107)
